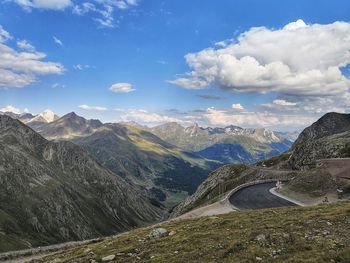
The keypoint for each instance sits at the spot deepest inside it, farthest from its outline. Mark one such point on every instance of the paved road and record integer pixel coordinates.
(257, 197)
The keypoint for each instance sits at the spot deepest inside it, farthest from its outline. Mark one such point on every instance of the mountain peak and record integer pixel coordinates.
(71, 115)
(329, 124)
(48, 115)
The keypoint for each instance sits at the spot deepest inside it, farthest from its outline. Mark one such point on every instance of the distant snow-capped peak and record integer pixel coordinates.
(46, 116)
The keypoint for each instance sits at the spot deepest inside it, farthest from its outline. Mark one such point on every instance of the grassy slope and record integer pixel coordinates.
(314, 234)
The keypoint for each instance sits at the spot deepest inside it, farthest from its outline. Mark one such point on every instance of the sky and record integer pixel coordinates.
(252, 63)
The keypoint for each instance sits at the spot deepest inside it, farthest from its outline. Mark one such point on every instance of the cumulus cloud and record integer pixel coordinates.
(44, 4)
(121, 88)
(57, 41)
(296, 60)
(21, 68)
(92, 108)
(237, 106)
(10, 108)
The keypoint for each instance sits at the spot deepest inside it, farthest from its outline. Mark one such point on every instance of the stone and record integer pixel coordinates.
(158, 232)
(260, 237)
(108, 258)
(172, 233)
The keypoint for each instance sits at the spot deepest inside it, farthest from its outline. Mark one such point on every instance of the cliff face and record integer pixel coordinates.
(329, 137)
(54, 192)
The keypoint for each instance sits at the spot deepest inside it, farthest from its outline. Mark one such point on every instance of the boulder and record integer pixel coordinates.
(158, 232)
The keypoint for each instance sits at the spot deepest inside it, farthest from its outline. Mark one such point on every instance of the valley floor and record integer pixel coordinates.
(295, 234)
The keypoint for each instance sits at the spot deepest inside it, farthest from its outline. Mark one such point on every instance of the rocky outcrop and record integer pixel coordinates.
(55, 192)
(67, 127)
(329, 137)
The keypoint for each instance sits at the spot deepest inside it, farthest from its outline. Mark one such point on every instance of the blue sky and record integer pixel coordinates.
(140, 47)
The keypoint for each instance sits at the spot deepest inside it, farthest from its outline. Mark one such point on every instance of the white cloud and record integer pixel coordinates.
(122, 88)
(143, 116)
(57, 41)
(10, 108)
(93, 108)
(19, 69)
(84, 8)
(282, 102)
(296, 60)
(189, 83)
(4, 35)
(256, 119)
(104, 9)
(80, 66)
(57, 85)
(44, 4)
(237, 106)
(25, 45)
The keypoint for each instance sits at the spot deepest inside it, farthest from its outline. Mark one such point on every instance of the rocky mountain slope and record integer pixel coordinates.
(146, 160)
(142, 158)
(67, 127)
(329, 137)
(54, 192)
(231, 144)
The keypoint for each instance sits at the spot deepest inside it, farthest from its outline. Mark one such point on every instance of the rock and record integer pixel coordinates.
(108, 258)
(172, 233)
(158, 232)
(258, 258)
(87, 250)
(325, 232)
(329, 223)
(260, 237)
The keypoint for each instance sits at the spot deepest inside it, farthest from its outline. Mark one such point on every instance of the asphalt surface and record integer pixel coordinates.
(257, 197)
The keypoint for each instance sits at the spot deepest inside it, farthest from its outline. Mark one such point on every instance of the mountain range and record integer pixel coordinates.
(328, 137)
(169, 160)
(231, 144)
(74, 186)
(55, 191)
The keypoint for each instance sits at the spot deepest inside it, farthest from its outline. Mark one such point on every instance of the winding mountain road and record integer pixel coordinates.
(257, 197)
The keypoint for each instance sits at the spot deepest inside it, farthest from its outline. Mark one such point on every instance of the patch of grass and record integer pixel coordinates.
(274, 160)
(174, 198)
(315, 182)
(313, 234)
